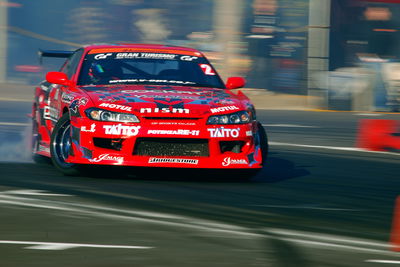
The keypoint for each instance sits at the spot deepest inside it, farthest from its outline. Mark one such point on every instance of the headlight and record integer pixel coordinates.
(240, 117)
(105, 115)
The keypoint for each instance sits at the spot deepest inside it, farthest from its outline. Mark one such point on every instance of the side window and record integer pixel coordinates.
(72, 62)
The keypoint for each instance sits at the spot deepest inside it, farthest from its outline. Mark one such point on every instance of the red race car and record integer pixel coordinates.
(144, 105)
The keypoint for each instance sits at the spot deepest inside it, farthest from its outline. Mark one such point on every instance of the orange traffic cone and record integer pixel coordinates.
(395, 234)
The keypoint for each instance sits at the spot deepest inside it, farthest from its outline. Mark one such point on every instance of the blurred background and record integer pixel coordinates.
(342, 52)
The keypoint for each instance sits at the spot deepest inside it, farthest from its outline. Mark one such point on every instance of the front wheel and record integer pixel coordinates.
(263, 143)
(61, 145)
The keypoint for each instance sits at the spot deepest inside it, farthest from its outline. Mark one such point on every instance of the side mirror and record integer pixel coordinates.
(57, 78)
(235, 82)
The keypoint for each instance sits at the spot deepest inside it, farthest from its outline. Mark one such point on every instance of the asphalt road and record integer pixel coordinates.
(319, 202)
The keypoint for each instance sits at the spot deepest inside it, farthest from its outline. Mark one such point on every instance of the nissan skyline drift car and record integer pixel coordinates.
(144, 105)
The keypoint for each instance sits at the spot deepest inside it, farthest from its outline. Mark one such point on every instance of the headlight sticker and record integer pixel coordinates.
(222, 109)
(120, 129)
(116, 107)
(222, 132)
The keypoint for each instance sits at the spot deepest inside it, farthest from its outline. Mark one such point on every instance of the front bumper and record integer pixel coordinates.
(166, 143)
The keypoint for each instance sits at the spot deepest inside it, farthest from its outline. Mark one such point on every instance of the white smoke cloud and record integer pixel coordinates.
(19, 149)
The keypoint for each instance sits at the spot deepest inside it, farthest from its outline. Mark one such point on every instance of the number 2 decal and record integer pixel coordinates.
(207, 69)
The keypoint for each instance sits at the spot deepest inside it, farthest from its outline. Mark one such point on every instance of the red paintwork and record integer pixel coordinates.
(52, 101)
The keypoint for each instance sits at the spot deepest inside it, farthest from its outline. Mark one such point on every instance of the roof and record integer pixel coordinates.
(140, 46)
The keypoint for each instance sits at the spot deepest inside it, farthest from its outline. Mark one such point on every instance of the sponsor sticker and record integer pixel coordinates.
(78, 102)
(222, 109)
(107, 157)
(229, 161)
(249, 133)
(120, 129)
(50, 113)
(163, 92)
(143, 49)
(44, 87)
(207, 69)
(91, 130)
(115, 106)
(150, 81)
(66, 98)
(165, 110)
(145, 55)
(222, 132)
(44, 148)
(172, 123)
(174, 132)
(226, 101)
(173, 160)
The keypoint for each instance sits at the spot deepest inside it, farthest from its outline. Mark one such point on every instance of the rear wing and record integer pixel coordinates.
(54, 53)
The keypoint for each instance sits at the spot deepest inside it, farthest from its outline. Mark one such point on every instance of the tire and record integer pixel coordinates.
(38, 159)
(263, 139)
(60, 146)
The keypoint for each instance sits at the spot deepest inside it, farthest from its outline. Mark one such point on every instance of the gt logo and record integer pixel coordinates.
(102, 56)
(188, 58)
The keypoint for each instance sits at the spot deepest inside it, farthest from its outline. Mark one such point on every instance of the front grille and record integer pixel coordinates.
(171, 147)
(109, 143)
(231, 146)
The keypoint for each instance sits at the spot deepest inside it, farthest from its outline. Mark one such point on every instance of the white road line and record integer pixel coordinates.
(333, 148)
(290, 125)
(319, 244)
(62, 246)
(13, 124)
(383, 261)
(99, 211)
(33, 193)
(182, 222)
(324, 147)
(311, 207)
(368, 114)
(324, 237)
(15, 99)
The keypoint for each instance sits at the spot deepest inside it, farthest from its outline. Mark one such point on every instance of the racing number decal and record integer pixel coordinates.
(207, 69)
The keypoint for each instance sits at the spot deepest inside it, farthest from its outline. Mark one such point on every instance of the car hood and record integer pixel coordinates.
(164, 100)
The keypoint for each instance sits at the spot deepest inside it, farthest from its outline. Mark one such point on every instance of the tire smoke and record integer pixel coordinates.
(15, 145)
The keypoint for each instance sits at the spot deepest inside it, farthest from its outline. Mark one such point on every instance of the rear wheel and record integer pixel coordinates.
(39, 159)
(61, 145)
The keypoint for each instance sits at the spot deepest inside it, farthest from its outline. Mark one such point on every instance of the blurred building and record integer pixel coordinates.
(278, 45)
(363, 27)
(365, 39)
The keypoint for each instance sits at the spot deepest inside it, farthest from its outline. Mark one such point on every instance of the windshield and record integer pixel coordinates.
(130, 66)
